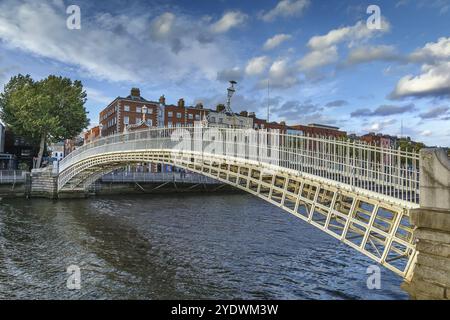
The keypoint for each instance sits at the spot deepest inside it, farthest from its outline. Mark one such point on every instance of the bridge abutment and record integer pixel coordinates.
(431, 275)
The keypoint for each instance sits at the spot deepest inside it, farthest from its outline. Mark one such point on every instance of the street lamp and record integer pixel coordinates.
(231, 91)
(144, 113)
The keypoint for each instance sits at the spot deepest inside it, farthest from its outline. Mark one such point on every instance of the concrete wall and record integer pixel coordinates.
(431, 277)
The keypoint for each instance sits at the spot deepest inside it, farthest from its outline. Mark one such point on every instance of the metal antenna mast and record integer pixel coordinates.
(268, 101)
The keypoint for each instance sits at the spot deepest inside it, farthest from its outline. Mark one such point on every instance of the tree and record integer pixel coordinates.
(49, 110)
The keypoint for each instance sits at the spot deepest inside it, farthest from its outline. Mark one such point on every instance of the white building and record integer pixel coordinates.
(219, 118)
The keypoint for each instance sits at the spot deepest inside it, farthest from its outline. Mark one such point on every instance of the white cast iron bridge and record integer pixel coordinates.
(360, 194)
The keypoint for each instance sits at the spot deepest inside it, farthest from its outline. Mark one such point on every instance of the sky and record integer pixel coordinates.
(323, 61)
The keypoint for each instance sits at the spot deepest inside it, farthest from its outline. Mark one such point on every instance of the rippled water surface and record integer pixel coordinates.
(175, 247)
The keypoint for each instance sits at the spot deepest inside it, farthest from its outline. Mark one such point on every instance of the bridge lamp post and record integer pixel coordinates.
(231, 90)
(144, 114)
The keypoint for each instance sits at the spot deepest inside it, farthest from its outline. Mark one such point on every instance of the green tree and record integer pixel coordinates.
(49, 110)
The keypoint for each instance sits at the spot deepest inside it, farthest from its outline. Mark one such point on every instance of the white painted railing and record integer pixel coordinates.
(122, 177)
(12, 176)
(386, 171)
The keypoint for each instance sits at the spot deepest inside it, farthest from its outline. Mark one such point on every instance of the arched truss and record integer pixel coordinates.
(376, 227)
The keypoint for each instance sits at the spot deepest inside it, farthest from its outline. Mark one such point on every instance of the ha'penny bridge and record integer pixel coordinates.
(388, 204)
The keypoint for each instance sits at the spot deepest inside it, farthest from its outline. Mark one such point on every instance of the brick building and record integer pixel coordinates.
(182, 116)
(92, 134)
(380, 140)
(129, 111)
(319, 130)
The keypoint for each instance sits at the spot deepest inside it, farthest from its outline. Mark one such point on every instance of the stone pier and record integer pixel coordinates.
(44, 183)
(431, 277)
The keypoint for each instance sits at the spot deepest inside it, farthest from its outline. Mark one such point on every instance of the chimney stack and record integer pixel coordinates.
(244, 113)
(220, 108)
(135, 92)
(162, 100)
(181, 103)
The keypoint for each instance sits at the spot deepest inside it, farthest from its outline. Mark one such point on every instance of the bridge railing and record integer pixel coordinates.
(386, 171)
(147, 177)
(12, 176)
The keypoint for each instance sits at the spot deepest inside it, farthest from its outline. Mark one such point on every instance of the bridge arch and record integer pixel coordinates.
(372, 223)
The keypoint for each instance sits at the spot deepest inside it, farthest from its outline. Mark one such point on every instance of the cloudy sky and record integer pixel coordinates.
(322, 62)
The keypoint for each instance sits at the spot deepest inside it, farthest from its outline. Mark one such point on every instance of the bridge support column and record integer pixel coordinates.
(431, 275)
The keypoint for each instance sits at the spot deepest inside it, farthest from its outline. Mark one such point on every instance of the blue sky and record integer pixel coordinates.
(322, 62)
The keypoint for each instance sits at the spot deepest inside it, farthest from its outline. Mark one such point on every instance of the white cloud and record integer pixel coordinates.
(286, 8)
(381, 125)
(426, 133)
(162, 25)
(96, 50)
(281, 75)
(324, 48)
(372, 53)
(433, 81)
(97, 96)
(439, 50)
(318, 58)
(229, 20)
(276, 40)
(226, 75)
(257, 65)
(434, 78)
(359, 31)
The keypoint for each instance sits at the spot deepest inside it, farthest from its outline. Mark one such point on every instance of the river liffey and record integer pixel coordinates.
(176, 247)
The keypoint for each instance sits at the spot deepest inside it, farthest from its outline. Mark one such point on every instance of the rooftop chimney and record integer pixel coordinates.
(135, 92)
(162, 100)
(220, 108)
(181, 103)
(244, 113)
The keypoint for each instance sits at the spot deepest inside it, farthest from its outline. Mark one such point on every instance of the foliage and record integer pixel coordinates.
(49, 110)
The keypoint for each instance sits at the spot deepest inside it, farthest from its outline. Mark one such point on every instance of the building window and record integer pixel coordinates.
(178, 124)
(220, 120)
(149, 122)
(197, 117)
(126, 108)
(190, 116)
(126, 120)
(178, 115)
(150, 111)
(169, 124)
(170, 114)
(212, 119)
(138, 109)
(138, 120)
(241, 123)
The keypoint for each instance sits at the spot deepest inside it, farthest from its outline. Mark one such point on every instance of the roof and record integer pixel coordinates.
(317, 125)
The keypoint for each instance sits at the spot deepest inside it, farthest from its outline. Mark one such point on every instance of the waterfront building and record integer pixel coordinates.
(57, 150)
(22, 149)
(92, 134)
(380, 140)
(221, 118)
(124, 111)
(183, 116)
(320, 130)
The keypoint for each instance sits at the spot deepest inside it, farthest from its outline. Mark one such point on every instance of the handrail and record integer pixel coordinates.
(387, 171)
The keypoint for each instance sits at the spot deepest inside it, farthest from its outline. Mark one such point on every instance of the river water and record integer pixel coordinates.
(175, 247)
